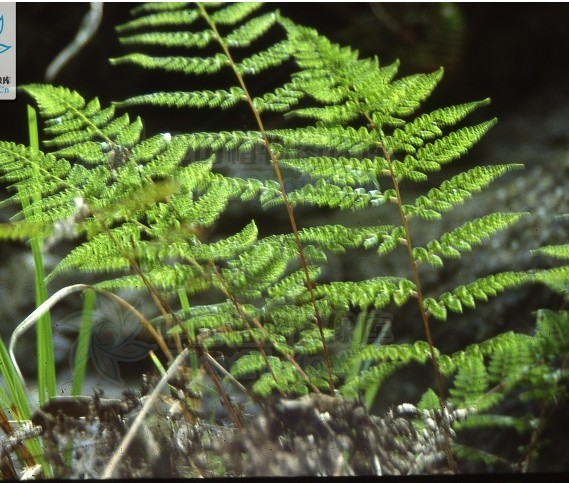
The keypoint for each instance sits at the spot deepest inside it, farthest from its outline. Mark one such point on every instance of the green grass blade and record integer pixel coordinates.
(82, 352)
(46, 359)
(16, 400)
(16, 393)
(183, 296)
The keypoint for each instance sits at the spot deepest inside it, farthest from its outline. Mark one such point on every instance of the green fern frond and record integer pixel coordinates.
(240, 37)
(496, 421)
(471, 386)
(213, 99)
(455, 190)
(351, 140)
(166, 278)
(511, 358)
(255, 271)
(506, 353)
(229, 140)
(557, 278)
(235, 13)
(205, 319)
(176, 15)
(376, 292)
(553, 332)
(133, 195)
(556, 251)
(248, 364)
(59, 101)
(32, 173)
(74, 122)
(324, 194)
(341, 171)
(418, 352)
(462, 238)
(375, 375)
(249, 31)
(469, 453)
(449, 147)
(290, 287)
(158, 7)
(184, 65)
(226, 248)
(391, 240)
(402, 98)
(429, 126)
(389, 358)
(466, 295)
(101, 254)
(335, 75)
(429, 401)
(311, 342)
(284, 377)
(282, 99)
(23, 230)
(338, 238)
(273, 56)
(289, 319)
(171, 39)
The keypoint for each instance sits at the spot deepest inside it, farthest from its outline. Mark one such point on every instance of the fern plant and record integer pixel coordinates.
(357, 137)
(356, 113)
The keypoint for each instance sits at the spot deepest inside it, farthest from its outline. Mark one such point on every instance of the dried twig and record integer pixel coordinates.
(125, 443)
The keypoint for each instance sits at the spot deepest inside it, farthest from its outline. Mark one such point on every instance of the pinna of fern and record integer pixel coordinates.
(556, 278)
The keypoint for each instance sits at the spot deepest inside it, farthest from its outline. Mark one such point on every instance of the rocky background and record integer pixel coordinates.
(515, 54)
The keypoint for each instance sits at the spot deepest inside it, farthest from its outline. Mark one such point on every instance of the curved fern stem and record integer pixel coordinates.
(283, 192)
(32, 319)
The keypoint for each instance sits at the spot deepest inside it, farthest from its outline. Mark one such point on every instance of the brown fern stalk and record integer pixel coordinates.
(278, 174)
(417, 280)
